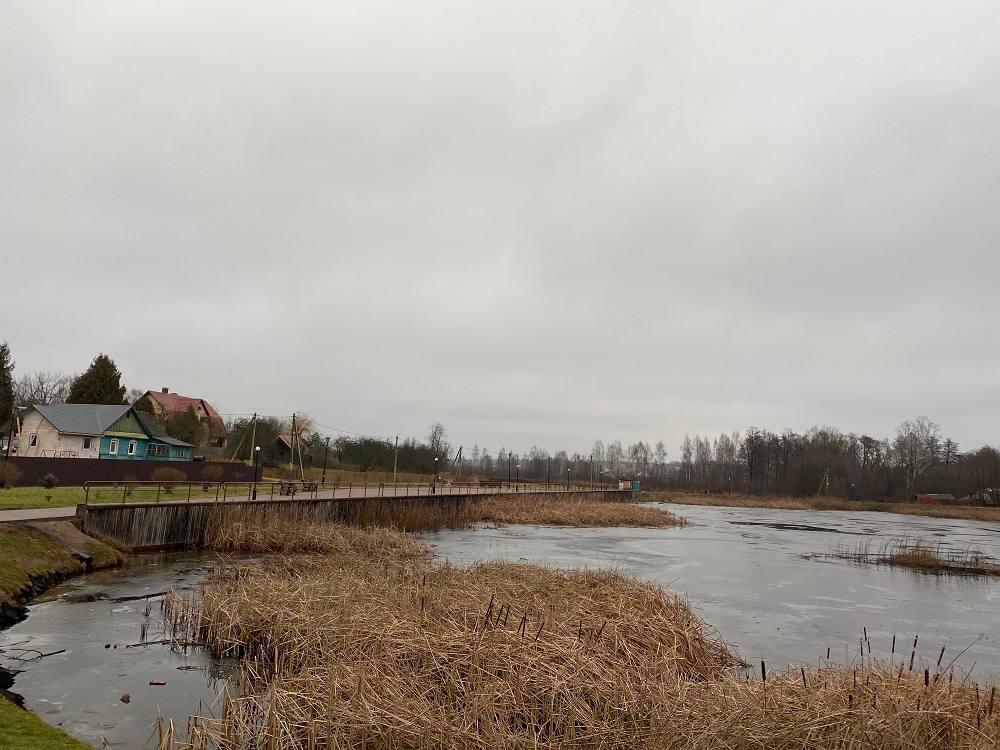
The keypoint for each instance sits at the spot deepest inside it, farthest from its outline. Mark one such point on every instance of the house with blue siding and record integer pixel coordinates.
(97, 431)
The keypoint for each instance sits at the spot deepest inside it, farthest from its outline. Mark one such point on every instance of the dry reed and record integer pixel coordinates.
(921, 555)
(423, 514)
(573, 510)
(373, 645)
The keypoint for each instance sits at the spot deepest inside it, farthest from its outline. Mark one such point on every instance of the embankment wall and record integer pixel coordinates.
(152, 526)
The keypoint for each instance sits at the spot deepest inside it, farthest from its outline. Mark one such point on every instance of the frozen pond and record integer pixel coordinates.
(96, 622)
(744, 570)
(744, 573)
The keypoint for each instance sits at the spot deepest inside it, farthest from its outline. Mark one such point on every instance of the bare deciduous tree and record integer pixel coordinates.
(42, 387)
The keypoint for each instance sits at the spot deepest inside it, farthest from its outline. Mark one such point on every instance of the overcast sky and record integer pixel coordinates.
(542, 223)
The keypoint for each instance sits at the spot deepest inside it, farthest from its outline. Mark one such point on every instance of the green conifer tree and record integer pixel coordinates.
(100, 384)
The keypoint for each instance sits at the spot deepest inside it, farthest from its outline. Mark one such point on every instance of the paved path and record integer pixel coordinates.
(37, 514)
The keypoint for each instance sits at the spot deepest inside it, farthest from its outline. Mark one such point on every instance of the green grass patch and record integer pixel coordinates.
(22, 730)
(18, 498)
(14, 498)
(27, 553)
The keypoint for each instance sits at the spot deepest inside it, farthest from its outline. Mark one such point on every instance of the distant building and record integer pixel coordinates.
(988, 496)
(287, 450)
(94, 431)
(934, 497)
(165, 405)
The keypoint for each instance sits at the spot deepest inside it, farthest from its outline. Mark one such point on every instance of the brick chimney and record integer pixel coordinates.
(164, 390)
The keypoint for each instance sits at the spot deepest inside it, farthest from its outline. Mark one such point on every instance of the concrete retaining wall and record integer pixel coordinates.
(153, 526)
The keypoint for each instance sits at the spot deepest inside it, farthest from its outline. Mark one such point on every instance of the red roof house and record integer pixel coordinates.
(166, 404)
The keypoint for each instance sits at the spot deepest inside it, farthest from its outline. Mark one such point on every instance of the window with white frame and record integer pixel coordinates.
(86, 443)
(131, 447)
(113, 448)
(33, 440)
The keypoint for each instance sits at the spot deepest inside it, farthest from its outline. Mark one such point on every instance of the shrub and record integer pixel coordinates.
(8, 474)
(168, 474)
(49, 481)
(212, 473)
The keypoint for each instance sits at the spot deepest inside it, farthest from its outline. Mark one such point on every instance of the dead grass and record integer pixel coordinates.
(429, 513)
(371, 646)
(573, 510)
(921, 555)
(971, 512)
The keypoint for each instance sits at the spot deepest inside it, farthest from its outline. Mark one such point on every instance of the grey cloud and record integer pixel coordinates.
(540, 223)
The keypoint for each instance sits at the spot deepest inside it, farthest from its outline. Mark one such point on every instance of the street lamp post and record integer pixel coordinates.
(326, 453)
(435, 484)
(517, 475)
(567, 477)
(256, 468)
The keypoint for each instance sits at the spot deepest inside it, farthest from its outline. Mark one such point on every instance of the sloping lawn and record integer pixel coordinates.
(27, 552)
(22, 730)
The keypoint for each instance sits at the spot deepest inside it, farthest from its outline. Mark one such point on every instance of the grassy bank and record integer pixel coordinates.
(21, 730)
(971, 512)
(373, 644)
(32, 558)
(920, 554)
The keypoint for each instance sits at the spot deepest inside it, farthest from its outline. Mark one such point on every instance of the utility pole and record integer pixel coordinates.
(395, 459)
(256, 468)
(326, 453)
(253, 433)
(291, 445)
(508, 467)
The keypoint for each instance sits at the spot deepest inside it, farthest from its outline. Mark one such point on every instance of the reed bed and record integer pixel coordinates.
(573, 510)
(375, 645)
(921, 555)
(425, 514)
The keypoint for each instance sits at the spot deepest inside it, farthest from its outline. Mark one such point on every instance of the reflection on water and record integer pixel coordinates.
(743, 569)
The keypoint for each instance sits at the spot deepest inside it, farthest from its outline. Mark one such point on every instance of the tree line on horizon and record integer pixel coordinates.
(918, 459)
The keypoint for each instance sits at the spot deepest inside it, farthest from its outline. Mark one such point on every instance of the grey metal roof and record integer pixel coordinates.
(172, 441)
(156, 430)
(153, 425)
(82, 419)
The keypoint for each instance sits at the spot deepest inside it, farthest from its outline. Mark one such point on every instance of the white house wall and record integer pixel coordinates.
(51, 443)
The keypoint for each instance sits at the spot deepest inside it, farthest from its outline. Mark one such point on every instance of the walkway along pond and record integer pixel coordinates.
(745, 571)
